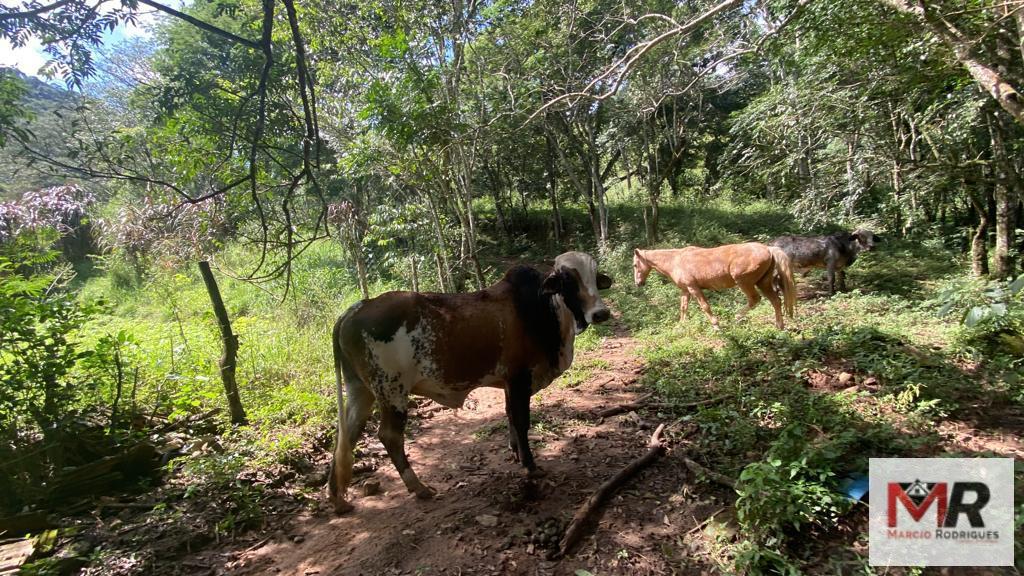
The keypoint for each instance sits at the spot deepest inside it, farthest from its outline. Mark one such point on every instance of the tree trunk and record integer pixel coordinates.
(986, 75)
(653, 186)
(499, 212)
(415, 274)
(1004, 231)
(230, 341)
(979, 246)
(1005, 180)
(851, 177)
(361, 271)
(653, 232)
(440, 273)
(496, 187)
(897, 193)
(602, 212)
(584, 187)
(464, 210)
(119, 368)
(444, 279)
(556, 217)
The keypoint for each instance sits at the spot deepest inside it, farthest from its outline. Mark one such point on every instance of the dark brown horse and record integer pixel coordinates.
(751, 266)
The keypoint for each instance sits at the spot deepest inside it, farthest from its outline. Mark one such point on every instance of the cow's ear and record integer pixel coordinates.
(604, 281)
(636, 252)
(552, 284)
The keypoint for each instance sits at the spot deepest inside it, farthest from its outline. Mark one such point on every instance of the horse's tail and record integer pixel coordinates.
(784, 272)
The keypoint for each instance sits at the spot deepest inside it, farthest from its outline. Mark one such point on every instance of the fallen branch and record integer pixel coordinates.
(706, 521)
(127, 505)
(709, 474)
(24, 523)
(103, 474)
(187, 422)
(621, 408)
(574, 532)
(642, 403)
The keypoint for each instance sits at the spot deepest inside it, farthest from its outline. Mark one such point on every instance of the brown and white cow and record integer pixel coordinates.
(517, 335)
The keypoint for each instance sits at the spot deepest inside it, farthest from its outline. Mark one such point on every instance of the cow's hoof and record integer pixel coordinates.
(536, 472)
(342, 507)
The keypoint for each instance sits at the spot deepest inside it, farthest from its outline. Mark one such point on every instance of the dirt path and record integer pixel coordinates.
(487, 518)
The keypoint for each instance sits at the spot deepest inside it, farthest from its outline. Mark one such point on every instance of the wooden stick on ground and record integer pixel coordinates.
(573, 534)
(627, 407)
(642, 403)
(705, 521)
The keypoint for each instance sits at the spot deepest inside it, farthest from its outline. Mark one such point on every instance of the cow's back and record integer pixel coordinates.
(438, 345)
(804, 251)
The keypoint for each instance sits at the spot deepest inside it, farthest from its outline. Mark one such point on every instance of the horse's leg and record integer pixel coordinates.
(696, 293)
(684, 305)
(752, 298)
(770, 289)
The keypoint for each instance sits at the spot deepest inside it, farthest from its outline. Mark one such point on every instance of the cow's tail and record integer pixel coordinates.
(332, 482)
(784, 273)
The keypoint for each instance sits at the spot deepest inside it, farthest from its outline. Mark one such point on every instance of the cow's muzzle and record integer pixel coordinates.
(601, 315)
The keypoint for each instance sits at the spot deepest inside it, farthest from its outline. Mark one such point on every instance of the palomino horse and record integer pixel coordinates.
(751, 266)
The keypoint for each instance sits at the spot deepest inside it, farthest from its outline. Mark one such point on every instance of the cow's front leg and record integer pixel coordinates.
(513, 443)
(841, 279)
(392, 435)
(831, 278)
(518, 408)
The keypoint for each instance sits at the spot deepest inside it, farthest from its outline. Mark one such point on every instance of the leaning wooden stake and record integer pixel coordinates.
(230, 340)
(573, 534)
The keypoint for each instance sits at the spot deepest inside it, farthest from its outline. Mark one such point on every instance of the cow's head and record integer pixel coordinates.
(865, 239)
(577, 280)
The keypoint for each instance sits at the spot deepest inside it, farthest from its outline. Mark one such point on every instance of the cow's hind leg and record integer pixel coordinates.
(358, 406)
(392, 435)
(830, 272)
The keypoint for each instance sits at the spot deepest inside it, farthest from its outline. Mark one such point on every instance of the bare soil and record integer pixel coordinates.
(487, 517)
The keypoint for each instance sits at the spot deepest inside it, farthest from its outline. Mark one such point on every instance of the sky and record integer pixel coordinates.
(30, 58)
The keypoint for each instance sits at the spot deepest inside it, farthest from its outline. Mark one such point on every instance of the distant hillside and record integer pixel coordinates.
(52, 108)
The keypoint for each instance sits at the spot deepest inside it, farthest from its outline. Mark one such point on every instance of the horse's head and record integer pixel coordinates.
(641, 268)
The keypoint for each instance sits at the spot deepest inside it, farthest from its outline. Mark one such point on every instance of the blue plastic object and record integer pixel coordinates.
(854, 486)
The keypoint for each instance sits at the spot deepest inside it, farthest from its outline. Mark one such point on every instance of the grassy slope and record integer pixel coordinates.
(788, 430)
